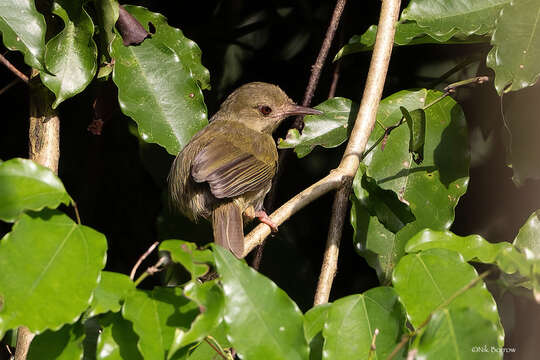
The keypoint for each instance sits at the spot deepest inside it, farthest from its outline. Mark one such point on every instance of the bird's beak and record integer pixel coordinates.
(293, 109)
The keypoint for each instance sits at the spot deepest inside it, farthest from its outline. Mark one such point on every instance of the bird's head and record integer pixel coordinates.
(260, 106)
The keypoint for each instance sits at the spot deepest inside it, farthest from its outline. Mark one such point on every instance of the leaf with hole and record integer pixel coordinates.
(158, 83)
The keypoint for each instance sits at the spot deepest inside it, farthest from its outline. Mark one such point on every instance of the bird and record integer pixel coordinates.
(225, 171)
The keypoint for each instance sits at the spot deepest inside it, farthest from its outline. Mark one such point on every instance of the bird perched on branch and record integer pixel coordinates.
(225, 171)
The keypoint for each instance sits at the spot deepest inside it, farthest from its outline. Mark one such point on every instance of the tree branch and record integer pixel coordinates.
(44, 148)
(13, 69)
(321, 58)
(360, 133)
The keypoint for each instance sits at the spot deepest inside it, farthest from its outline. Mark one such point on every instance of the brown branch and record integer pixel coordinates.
(331, 253)
(44, 148)
(151, 270)
(321, 58)
(359, 135)
(141, 259)
(10, 85)
(13, 69)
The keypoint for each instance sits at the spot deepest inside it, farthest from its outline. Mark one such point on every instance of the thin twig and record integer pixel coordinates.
(215, 348)
(151, 270)
(405, 338)
(141, 259)
(13, 69)
(10, 85)
(335, 78)
(321, 58)
(373, 347)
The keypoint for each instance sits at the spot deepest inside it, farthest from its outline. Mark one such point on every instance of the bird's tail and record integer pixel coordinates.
(228, 228)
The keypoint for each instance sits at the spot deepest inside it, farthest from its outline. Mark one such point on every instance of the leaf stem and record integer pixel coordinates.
(141, 259)
(151, 270)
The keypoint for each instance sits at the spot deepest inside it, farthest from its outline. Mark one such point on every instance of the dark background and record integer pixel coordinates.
(118, 181)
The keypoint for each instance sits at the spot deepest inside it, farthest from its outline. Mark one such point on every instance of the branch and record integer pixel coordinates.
(13, 69)
(44, 148)
(360, 133)
(321, 58)
(141, 259)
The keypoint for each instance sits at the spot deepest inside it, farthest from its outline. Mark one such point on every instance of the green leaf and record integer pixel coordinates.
(117, 341)
(515, 56)
(442, 19)
(158, 84)
(407, 33)
(218, 338)
(263, 322)
(329, 129)
(528, 238)
(458, 334)
(106, 15)
(110, 293)
(437, 183)
(472, 247)
(186, 253)
(314, 321)
(63, 344)
(424, 281)
(352, 321)
(23, 28)
(47, 283)
(416, 122)
(71, 55)
(210, 299)
(25, 185)
(155, 316)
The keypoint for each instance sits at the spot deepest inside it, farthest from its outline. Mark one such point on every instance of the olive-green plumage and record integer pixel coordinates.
(226, 169)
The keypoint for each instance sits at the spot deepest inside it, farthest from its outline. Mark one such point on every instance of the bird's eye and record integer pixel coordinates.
(265, 110)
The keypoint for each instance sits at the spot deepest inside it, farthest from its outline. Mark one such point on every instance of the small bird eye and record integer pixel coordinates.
(265, 110)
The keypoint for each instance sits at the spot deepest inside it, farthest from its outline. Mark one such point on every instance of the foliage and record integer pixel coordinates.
(402, 206)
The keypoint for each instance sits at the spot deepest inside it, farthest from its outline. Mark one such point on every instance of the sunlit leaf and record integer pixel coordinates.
(110, 293)
(459, 333)
(427, 280)
(117, 341)
(47, 283)
(352, 322)
(158, 83)
(515, 56)
(23, 28)
(25, 185)
(263, 322)
(155, 316)
(329, 129)
(442, 19)
(71, 55)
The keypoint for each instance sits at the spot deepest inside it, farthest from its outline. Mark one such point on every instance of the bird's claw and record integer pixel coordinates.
(265, 219)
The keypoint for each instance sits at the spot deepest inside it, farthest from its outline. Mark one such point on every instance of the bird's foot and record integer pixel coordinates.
(265, 219)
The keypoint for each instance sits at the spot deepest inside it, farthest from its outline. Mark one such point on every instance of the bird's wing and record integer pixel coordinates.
(229, 170)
